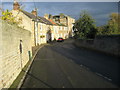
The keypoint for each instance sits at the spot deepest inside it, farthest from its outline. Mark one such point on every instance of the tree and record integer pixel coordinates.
(103, 30)
(7, 16)
(85, 26)
(113, 23)
(112, 26)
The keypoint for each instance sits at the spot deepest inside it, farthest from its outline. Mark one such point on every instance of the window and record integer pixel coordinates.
(61, 28)
(40, 26)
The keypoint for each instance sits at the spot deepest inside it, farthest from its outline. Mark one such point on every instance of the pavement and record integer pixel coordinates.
(62, 65)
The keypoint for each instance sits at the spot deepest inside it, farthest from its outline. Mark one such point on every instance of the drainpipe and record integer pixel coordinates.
(34, 34)
(20, 47)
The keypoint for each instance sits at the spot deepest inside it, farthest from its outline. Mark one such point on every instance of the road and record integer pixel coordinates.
(62, 65)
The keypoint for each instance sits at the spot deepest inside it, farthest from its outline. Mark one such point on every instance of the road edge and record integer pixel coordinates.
(21, 82)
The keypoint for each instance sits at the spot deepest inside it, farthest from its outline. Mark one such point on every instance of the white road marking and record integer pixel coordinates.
(104, 76)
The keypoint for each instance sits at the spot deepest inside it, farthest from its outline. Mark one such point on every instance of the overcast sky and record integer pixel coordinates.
(100, 11)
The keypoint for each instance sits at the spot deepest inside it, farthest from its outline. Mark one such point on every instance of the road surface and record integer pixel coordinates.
(62, 65)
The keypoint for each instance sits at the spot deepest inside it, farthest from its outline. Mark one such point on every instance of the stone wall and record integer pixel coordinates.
(107, 44)
(11, 60)
(0, 55)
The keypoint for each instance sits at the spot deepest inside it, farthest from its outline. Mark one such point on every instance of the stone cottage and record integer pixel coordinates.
(43, 29)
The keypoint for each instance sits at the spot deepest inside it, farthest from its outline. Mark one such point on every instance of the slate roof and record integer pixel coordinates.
(40, 19)
(44, 20)
(30, 15)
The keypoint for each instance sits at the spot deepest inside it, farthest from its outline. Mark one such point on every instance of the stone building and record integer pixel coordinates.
(35, 30)
(43, 29)
(38, 26)
(64, 21)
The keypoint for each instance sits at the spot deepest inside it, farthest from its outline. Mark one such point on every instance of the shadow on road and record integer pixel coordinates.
(105, 65)
(31, 75)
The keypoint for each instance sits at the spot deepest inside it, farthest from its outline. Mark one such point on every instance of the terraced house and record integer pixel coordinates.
(43, 29)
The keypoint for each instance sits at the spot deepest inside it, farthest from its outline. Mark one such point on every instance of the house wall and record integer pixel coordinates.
(25, 22)
(33, 34)
(67, 21)
(42, 30)
(60, 31)
(52, 32)
(55, 31)
(70, 25)
(63, 32)
(28, 24)
(63, 21)
(11, 61)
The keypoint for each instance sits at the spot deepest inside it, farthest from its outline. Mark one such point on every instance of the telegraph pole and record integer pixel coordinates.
(36, 27)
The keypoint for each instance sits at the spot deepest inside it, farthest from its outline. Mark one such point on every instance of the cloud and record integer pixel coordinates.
(63, 0)
(100, 11)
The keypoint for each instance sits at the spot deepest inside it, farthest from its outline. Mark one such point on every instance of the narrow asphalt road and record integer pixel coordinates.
(62, 65)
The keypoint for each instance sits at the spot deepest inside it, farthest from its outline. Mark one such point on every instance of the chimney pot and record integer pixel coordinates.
(16, 6)
(34, 12)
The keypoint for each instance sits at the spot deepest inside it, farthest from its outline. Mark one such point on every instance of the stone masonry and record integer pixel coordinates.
(11, 60)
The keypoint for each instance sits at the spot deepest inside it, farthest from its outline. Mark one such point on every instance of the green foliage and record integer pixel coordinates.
(85, 26)
(113, 23)
(103, 30)
(7, 16)
(112, 26)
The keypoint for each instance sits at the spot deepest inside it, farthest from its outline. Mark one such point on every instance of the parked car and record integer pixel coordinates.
(60, 39)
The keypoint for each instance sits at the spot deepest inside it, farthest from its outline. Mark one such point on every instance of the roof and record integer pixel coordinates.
(59, 15)
(63, 15)
(44, 20)
(30, 15)
(40, 19)
(52, 22)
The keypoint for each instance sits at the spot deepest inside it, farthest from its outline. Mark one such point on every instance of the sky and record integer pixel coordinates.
(99, 11)
(62, 0)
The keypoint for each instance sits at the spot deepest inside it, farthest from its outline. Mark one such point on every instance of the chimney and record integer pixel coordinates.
(34, 12)
(50, 16)
(46, 16)
(16, 5)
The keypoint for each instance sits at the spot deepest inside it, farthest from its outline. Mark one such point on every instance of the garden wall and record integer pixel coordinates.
(13, 55)
(108, 44)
